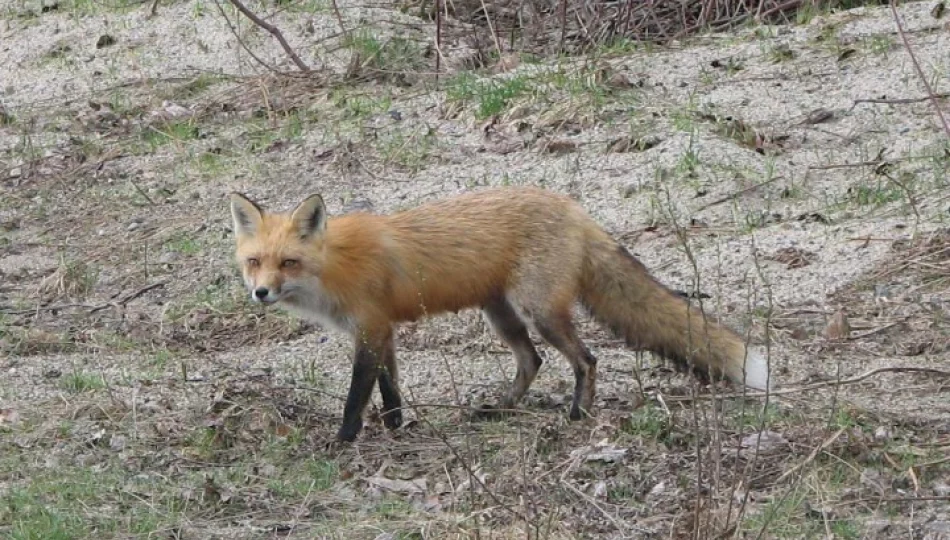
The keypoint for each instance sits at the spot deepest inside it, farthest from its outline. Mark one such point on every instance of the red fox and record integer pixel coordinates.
(521, 255)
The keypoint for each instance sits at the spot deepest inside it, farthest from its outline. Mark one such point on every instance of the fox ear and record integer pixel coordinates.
(246, 214)
(310, 216)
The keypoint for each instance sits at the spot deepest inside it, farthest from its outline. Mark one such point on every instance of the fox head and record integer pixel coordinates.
(279, 254)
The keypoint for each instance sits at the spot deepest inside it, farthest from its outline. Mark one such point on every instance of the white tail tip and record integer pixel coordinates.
(757, 371)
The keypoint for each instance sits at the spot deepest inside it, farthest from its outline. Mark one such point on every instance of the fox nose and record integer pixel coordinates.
(261, 293)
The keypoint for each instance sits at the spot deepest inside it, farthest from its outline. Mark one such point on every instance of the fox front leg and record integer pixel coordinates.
(367, 363)
(389, 387)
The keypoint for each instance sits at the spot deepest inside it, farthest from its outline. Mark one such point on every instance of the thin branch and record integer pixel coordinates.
(920, 72)
(737, 194)
(811, 457)
(815, 386)
(339, 20)
(274, 31)
(241, 41)
(129, 297)
(899, 101)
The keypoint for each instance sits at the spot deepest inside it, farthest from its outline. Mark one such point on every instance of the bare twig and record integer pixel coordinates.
(737, 194)
(339, 20)
(274, 31)
(141, 192)
(811, 457)
(815, 386)
(900, 101)
(241, 41)
(129, 297)
(920, 72)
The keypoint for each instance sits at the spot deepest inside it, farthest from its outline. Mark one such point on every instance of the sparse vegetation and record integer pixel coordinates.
(144, 396)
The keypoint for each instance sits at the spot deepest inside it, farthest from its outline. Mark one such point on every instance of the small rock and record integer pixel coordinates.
(658, 489)
(16, 172)
(560, 146)
(168, 257)
(881, 434)
(600, 490)
(117, 443)
(133, 226)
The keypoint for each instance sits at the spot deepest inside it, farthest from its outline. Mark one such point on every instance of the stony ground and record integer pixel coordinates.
(794, 175)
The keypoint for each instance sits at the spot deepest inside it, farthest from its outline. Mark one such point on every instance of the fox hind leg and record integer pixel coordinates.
(558, 329)
(509, 326)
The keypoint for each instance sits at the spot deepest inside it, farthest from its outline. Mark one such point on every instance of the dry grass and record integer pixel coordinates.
(145, 397)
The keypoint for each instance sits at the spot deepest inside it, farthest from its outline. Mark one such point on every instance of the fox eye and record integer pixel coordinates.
(253, 263)
(289, 263)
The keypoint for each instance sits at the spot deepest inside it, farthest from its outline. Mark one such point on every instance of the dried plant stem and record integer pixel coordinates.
(920, 72)
(274, 31)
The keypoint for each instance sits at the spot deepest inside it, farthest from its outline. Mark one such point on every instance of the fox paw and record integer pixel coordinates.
(392, 419)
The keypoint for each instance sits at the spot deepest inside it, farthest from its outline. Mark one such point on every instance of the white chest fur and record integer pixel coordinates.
(314, 304)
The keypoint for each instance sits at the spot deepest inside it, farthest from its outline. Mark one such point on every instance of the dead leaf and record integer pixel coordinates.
(560, 146)
(507, 63)
(489, 126)
(105, 40)
(9, 417)
(818, 116)
(633, 144)
(602, 451)
(622, 81)
(846, 53)
(938, 10)
(406, 487)
(432, 504)
(793, 257)
(838, 327)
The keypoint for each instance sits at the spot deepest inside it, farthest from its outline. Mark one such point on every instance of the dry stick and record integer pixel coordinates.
(244, 45)
(899, 101)
(795, 390)
(473, 478)
(920, 72)
(274, 32)
(811, 457)
(603, 511)
(339, 20)
(129, 297)
(737, 194)
(438, 39)
(895, 500)
(844, 165)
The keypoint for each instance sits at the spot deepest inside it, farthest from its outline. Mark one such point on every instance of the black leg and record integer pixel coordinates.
(559, 331)
(512, 330)
(389, 388)
(366, 368)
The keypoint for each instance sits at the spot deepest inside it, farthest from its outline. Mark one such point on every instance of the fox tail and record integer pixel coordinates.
(620, 293)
